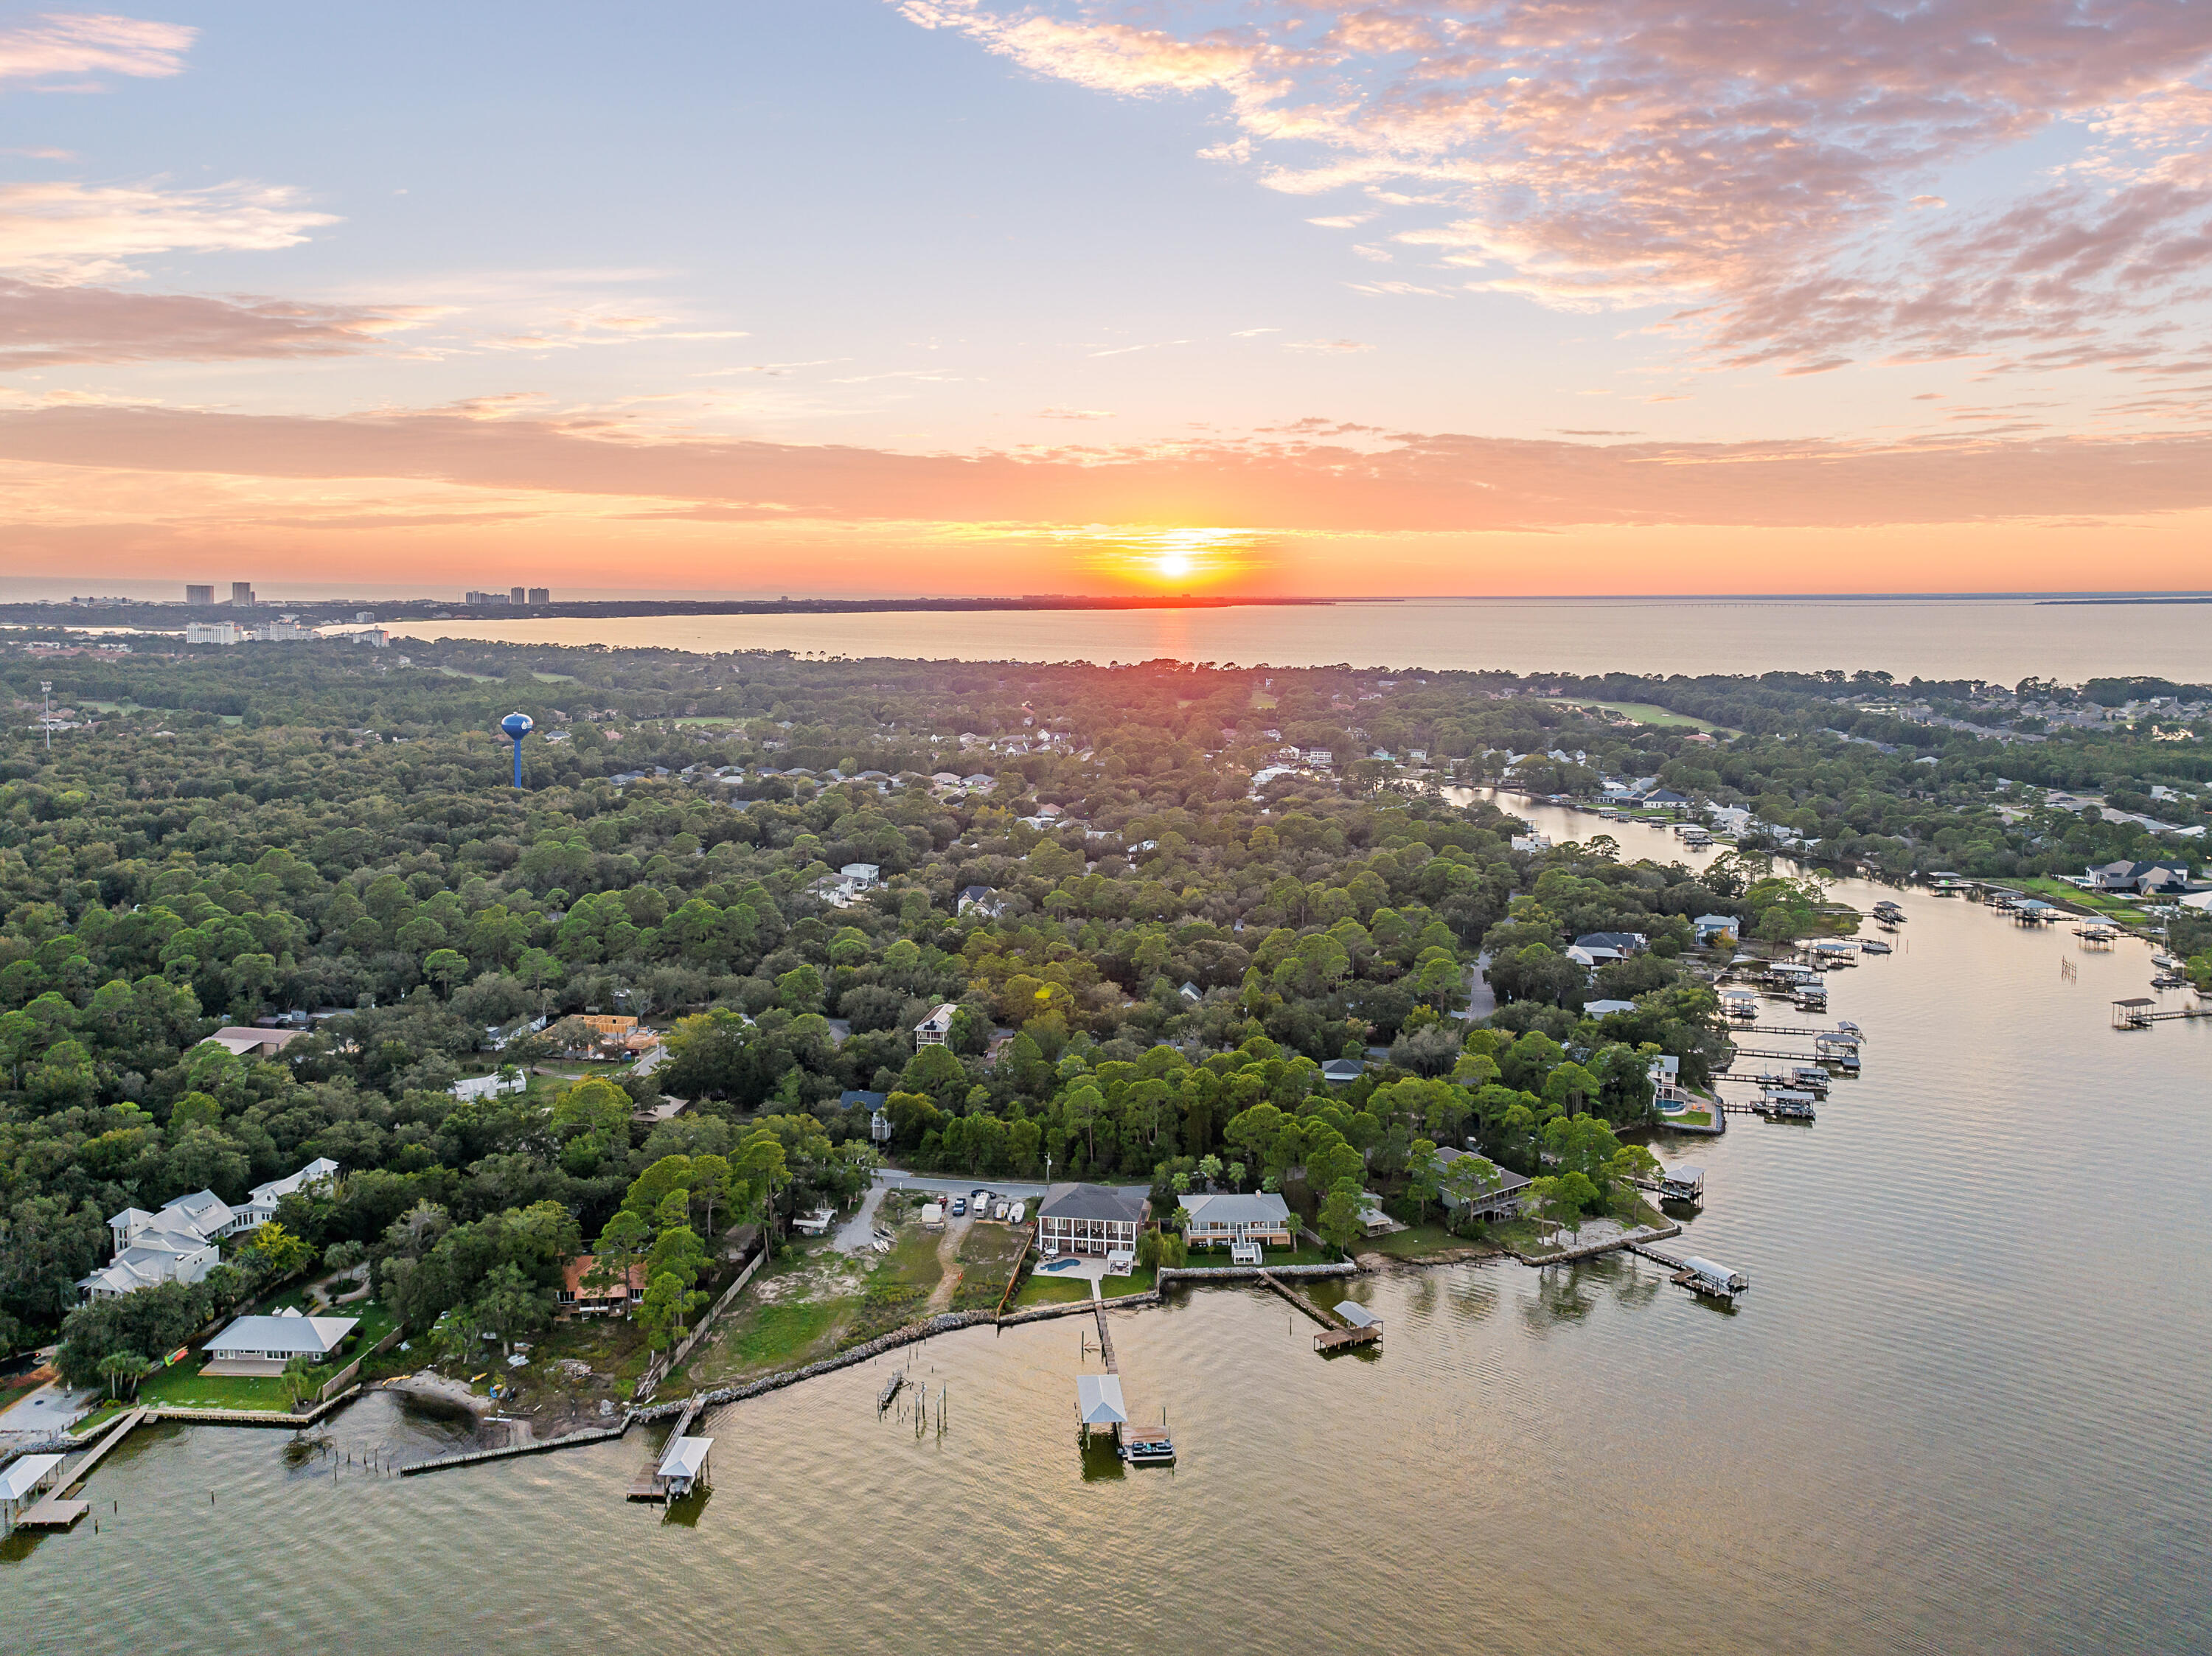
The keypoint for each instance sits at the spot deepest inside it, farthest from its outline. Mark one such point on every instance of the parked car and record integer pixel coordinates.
(959, 1206)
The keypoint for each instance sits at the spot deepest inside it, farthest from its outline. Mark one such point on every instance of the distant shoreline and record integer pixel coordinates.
(327, 612)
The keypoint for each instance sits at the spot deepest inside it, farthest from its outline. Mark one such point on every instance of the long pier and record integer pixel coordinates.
(474, 1457)
(2136, 1014)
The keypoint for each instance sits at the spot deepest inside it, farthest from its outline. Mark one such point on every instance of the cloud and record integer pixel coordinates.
(1304, 480)
(63, 43)
(66, 232)
(1075, 414)
(1338, 346)
(45, 326)
(1732, 158)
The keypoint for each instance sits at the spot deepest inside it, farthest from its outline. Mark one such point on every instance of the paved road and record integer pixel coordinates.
(857, 1233)
(1017, 1190)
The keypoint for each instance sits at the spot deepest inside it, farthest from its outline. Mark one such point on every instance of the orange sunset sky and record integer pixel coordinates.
(959, 296)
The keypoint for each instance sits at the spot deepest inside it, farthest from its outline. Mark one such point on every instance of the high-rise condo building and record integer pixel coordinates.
(514, 595)
(241, 591)
(200, 595)
(541, 595)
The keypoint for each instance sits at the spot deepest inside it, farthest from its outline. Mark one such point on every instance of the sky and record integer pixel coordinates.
(887, 297)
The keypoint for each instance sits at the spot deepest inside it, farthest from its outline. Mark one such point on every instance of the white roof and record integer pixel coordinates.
(25, 1476)
(685, 1457)
(1357, 1315)
(1098, 1399)
(307, 1337)
(1225, 1209)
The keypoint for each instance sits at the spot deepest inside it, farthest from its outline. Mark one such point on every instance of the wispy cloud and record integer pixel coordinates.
(1339, 347)
(69, 232)
(79, 44)
(1750, 164)
(1075, 414)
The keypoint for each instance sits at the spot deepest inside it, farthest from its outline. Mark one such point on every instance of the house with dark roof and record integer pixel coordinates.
(1099, 1220)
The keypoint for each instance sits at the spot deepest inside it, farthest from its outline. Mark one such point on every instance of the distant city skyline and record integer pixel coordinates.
(862, 297)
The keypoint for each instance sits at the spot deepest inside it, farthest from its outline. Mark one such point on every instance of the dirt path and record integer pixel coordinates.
(948, 1282)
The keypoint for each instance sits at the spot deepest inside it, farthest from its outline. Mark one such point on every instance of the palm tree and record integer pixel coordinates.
(122, 1369)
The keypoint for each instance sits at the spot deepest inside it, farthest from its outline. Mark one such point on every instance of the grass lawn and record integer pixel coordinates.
(2105, 903)
(1418, 1242)
(1051, 1291)
(783, 1336)
(1200, 1258)
(184, 1387)
(988, 1255)
(1644, 713)
(1689, 1117)
(1139, 1281)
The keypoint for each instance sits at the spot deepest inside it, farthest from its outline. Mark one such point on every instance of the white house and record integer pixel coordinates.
(862, 875)
(1711, 926)
(933, 1030)
(1223, 1218)
(1093, 1219)
(253, 1342)
(182, 1241)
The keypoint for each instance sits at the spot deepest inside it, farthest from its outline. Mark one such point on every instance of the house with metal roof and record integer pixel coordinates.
(1099, 1220)
(1223, 1218)
(933, 1030)
(182, 1242)
(1501, 1201)
(263, 1345)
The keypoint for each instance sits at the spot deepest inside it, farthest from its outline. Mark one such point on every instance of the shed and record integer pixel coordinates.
(1358, 1315)
(1098, 1400)
(21, 1483)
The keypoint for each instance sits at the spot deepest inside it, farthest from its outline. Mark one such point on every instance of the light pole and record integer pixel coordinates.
(46, 718)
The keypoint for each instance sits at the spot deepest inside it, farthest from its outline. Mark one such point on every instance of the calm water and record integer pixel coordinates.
(1964, 1408)
(2001, 640)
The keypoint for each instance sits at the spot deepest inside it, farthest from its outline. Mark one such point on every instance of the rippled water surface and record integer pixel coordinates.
(1962, 1409)
(2001, 640)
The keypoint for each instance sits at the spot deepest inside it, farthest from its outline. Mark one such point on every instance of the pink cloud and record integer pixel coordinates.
(1736, 157)
(63, 43)
(43, 326)
(1304, 480)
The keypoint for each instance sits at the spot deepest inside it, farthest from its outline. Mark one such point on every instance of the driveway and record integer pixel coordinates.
(48, 1410)
(858, 1234)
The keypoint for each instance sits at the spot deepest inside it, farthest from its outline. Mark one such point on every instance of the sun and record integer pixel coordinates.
(1174, 566)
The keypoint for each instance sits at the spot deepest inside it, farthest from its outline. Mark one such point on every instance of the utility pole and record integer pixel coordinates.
(46, 718)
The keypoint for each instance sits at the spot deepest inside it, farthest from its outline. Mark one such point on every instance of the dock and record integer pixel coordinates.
(58, 1511)
(648, 1484)
(1700, 1276)
(2135, 1013)
(1338, 1332)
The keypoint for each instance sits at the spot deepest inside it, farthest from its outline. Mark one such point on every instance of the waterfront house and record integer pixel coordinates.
(579, 1297)
(2143, 878)
(182, 1242)
(1222, 1218)
(263, 1345)
(1712, 928)
(1502, 1201)
(1098, 1219)
(1666, 1076)
(933, 1030)
(1666, 797)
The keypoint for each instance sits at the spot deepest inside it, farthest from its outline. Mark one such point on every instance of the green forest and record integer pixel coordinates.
(1152, 935)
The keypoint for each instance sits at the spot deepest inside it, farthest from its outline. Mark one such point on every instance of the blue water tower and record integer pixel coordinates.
(517, 726)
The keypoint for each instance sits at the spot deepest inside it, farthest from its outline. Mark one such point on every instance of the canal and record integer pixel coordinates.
(1964, 1408)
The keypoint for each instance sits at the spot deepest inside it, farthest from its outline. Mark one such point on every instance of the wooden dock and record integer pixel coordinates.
(2135, 1014)
(647, 1485)
(474, 1456)
(1336, 1334)
(1105, 1339)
